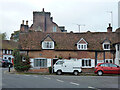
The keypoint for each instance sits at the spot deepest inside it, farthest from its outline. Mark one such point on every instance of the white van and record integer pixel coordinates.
(67, 66)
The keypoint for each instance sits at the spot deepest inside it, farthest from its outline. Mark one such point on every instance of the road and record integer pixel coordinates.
(56, 81)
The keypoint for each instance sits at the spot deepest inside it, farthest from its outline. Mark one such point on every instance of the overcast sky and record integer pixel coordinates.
(93, 13)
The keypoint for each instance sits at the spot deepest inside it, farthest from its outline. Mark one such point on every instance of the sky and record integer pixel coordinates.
(94, 14)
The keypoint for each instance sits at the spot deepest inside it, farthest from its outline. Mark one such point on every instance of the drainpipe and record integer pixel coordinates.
(95, 58)
(104, 55)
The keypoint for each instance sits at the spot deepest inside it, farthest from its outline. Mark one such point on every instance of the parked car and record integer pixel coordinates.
(67, 66)
(6, 63)
(107, 68)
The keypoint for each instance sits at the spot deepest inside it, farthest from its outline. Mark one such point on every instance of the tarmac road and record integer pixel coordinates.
(56, 81)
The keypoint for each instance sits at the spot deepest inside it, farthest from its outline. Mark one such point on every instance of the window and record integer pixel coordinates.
(106, 46)
(40, 62)
(108, 60)
(82, 46)
(5, 52)
(10, 52)
(48, 45)
(112, 65)
(104, 65)
(86, 62)
(54, 29)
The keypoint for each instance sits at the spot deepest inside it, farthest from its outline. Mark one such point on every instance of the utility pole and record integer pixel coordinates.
(79, 25)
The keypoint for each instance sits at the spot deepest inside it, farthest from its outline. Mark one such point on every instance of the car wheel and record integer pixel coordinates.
(59, 72)
(99, 73)
(75, 72)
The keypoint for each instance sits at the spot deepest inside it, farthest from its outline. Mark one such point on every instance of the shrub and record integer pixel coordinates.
(50, 69)
(19, 64)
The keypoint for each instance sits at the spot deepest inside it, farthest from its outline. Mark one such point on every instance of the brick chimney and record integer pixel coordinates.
(43, 10)
(23, 22)
(109, 29)
(24, 28)
(27, 22)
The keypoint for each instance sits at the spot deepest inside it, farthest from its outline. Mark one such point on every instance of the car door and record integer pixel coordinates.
(114, 69)
(106, 68)
(58, 65)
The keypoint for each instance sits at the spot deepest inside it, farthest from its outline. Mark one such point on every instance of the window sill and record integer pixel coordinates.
(87, 67)
(106, 49)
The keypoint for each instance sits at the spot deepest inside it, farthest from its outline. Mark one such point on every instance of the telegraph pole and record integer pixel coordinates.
(79, 25)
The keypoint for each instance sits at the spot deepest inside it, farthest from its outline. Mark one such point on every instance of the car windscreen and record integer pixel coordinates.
(59, 63)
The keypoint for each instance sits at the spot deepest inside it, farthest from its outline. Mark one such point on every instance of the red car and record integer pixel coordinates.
(107, 68)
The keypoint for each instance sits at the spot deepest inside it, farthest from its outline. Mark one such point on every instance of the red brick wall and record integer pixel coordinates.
(63, 54)
(43, 70)
(86, 54)
(108, 55)
(39, 20)
(67, 54)
(100, 56)
(88, 70)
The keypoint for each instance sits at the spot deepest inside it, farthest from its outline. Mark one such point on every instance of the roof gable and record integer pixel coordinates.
(82, 41)
(106, 41)
(48, 38)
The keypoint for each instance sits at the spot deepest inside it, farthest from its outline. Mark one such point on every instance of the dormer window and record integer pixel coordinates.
(48, 43)
(106, 44)
(82, 44)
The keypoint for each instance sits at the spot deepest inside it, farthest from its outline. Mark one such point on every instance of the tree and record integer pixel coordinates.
(15, 35)
(3, 36)
(21, 62)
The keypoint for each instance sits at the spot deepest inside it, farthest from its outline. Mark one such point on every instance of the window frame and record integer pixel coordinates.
(118, 47)
(48, 45)
(104, 46)
(86, 63)
(82, 46)
(108, 60)
(40, 63)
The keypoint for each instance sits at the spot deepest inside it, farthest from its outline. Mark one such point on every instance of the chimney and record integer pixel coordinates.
(27, 22)
(43, 10)
(23, 22)
(109, 29)
(51, 18)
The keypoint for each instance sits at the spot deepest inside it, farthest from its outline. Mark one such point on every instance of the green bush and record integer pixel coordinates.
(20, 65)
(50, 69)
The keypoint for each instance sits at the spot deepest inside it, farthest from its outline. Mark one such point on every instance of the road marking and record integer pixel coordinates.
(27, 75)
(91, 87)
(47, 77)
(74, 83)
(59, 80)
(35, 76)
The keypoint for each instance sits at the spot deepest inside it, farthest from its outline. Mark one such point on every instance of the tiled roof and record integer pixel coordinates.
(7, 44)
(67, 41)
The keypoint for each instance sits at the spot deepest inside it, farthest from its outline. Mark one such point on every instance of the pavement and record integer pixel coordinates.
(59, 81)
